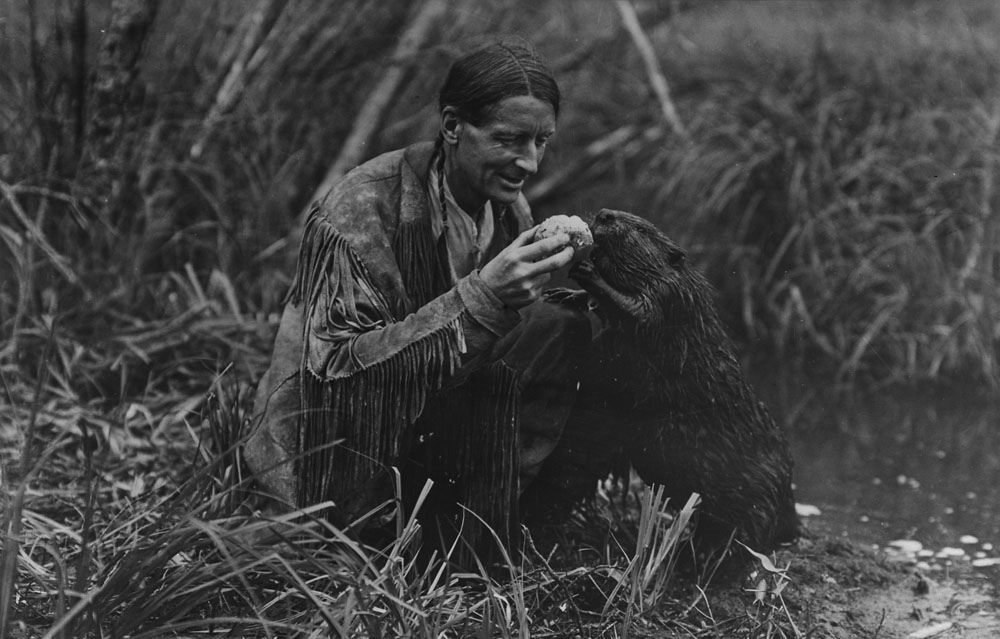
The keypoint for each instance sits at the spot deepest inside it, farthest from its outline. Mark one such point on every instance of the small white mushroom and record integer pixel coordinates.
(579, 234)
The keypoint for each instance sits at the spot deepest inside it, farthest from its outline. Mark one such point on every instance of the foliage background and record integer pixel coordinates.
(838, 184)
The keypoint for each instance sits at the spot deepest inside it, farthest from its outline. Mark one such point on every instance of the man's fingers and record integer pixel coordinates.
(554, 262)
(524, 239)
(543, 248)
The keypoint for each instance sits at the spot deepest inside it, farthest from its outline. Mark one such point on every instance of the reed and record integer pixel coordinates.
(844, 207)
(158, 533)
(131, 546)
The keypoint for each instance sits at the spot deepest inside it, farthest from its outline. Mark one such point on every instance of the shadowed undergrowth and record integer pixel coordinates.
(863, 220)
(154, 534)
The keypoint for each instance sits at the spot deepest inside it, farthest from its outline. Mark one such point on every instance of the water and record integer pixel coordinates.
(888, 465)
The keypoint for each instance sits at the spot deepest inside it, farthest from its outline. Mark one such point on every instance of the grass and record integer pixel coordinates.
(839, 186)
(156, 535)
(136, 520)
(844, 252)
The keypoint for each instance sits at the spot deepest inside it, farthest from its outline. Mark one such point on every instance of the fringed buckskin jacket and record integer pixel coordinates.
(379, 350)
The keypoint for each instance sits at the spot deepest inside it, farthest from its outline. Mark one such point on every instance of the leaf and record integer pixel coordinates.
(777, 589)
(614, 573)
(765, 562)
(931, 631)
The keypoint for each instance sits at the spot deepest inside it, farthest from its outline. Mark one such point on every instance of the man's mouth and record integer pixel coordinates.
(511, 182)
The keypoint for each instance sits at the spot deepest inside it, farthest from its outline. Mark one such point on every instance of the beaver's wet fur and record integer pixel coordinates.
(667, 394)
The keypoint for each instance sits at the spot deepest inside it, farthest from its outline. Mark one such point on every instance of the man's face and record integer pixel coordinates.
(491, 161)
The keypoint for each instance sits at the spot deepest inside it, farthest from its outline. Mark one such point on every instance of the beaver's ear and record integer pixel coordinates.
(676, 256)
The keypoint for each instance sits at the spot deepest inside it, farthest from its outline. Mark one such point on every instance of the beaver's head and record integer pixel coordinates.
(631, 254)
(639, 276)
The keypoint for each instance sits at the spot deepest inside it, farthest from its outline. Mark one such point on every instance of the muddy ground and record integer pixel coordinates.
(833, 589)
(838, 589)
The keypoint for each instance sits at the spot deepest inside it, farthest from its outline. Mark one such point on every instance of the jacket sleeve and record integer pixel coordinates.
(348, 334)
(366, 375)
(349, 328)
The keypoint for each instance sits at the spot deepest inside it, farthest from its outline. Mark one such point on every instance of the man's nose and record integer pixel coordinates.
(528, 157)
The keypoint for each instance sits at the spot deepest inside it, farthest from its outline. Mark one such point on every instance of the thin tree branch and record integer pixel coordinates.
(648, 55)
(258, 25)
(581, 167)
(576, 58)
(372, 112)
(39, 83)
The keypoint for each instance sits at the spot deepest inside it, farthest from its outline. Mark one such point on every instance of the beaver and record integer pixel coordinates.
(665, 393)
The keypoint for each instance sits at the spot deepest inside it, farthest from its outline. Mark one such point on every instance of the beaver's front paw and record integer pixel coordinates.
(568, 297)
(584, 271)
(587, 276)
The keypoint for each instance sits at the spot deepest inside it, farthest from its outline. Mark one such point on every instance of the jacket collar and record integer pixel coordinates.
(413, 187)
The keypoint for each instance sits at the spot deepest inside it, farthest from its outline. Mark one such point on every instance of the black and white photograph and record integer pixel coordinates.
(497, 319)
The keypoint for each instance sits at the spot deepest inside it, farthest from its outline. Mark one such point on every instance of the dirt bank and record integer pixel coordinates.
(838, 589)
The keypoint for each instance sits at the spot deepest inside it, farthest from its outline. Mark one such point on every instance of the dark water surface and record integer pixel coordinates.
(922, 465)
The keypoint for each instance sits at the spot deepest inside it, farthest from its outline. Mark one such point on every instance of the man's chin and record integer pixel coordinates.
(505, 196)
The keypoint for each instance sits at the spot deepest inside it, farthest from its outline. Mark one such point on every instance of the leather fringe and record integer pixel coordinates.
(422, 261)
(467, 443)
(352, 427)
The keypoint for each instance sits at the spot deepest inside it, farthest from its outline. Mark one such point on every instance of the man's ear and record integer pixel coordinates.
(450, 124)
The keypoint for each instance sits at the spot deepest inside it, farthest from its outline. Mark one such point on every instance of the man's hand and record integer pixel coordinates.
(519, 273)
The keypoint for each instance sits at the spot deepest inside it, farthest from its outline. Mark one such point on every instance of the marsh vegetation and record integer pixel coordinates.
(835, 173)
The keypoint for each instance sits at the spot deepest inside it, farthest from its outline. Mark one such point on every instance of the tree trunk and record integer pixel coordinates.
(79, 75)
(115, 98)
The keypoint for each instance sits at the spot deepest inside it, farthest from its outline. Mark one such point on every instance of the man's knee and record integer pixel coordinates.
(557, 317)
(551, 343)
